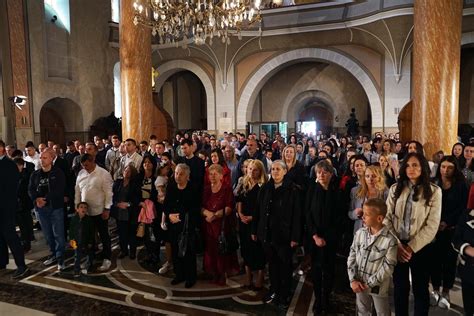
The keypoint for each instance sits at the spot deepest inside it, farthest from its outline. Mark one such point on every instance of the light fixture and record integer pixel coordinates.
(179, 20)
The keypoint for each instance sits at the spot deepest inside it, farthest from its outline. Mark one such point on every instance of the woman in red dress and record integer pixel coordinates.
(217, 199)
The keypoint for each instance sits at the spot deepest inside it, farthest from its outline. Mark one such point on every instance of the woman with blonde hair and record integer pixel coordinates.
(371, 185)
(389, 166)
(295, 169)
(252, 251)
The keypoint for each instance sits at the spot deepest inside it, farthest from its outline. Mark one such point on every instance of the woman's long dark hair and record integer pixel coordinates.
(423, 184)
(153, 162)
(457, 175)
(220, 156)
(463, 163)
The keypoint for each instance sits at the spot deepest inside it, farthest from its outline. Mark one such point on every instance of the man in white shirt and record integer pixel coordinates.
(113, 153)
(94, 186)
(32, 156)
(132, 157)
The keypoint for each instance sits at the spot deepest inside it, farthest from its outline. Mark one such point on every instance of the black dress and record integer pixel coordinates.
(251, 251)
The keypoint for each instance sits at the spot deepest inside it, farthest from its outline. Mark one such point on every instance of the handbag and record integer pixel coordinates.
(226, 243)
(141, 230)
(183, 238)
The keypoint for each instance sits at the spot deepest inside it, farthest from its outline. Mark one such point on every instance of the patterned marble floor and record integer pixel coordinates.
(133, 288)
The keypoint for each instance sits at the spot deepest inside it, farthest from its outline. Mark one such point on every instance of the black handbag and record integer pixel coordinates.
(183, 238)
(226, 243)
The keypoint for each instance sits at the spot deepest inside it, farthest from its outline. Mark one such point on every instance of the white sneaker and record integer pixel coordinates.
(444, 301)
(61, 267)
(434, 298)
(105, 265)
(84, 265)
(84, 271)
(50, 261)
(165, 268)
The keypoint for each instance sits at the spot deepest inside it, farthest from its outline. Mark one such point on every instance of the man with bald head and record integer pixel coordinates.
(46, 190)
(251, 152)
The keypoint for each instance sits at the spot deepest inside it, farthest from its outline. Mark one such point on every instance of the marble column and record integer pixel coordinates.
(136, 76)
(19, 71)
(436, 63)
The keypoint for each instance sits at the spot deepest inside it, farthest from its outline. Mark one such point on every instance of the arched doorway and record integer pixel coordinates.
(184, 97)
(51, 126)
(61, 120)
(315, 111)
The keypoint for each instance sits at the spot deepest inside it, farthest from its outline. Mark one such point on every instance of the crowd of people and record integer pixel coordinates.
(378, 202)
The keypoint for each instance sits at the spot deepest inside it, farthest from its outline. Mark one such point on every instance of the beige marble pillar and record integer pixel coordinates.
(135, 68)
(436, 62)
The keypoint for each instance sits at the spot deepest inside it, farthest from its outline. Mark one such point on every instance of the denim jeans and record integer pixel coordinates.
(52, 225)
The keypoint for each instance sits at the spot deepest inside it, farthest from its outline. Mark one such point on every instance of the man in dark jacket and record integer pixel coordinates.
(8, 196)
(46, 190)
(25, 205)
(251, 152)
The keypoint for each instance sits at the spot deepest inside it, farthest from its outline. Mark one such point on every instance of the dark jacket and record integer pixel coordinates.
(8, 188)
(81, 230)
(323, 210)
(57, 185)
(196, 165)
(245, 156)
(24, 200)
(133, 197)
(63, 165)
(298, 176)
(463, 236)
(182, 202)
(277, 219)
(454, 201)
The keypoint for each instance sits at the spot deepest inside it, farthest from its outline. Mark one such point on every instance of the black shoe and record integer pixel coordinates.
(122, 255)
(132, 256)
(176, 281)
(269, 297)
(77, 273)
(283, 303)
(20, 272)
(189, 284)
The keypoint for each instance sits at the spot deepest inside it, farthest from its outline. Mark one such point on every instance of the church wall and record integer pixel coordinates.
(91, 60)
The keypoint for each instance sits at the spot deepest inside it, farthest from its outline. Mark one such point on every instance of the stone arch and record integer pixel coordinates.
(63, 116)
(171, 67)
(296, 105)
(270, 67)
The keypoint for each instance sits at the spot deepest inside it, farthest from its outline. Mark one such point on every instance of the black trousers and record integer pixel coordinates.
(9, 239)
(102, 226)
(420, 273)
(127, 231)
(184, 268)
(468, 297)
(280, 268)
(25, 222)
(152, 241)
(323, 261)
(443, 260)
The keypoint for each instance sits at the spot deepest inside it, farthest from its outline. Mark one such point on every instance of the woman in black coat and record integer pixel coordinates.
(444, 259)
(323, 215)
(125, 209)
(181, 205)
(277, 224)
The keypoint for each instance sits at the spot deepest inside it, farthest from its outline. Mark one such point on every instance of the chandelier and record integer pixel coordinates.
(179, 20)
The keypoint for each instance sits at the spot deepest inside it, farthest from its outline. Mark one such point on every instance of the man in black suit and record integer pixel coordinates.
(8, 196)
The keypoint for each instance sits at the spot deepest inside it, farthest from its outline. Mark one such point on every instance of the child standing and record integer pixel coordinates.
(371, 261)
(81, 232)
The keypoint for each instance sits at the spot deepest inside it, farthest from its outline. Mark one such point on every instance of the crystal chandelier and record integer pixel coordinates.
(178, 20)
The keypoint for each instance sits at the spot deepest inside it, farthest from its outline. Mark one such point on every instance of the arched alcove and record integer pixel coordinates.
(61, 119)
